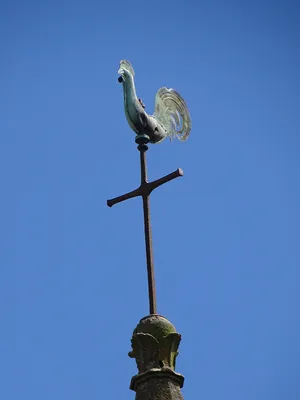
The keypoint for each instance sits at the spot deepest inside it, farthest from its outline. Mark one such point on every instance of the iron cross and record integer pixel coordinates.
(144, 190)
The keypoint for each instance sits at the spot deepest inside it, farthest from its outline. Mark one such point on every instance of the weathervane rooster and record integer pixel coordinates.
(171, 117)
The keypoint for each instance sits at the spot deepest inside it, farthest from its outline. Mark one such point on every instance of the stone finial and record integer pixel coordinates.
(155, 345)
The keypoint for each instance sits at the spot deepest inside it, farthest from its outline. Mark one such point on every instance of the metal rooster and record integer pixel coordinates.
(171, 116)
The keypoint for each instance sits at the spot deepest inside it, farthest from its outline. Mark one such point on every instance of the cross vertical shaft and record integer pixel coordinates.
(148, 231)
(144, 190)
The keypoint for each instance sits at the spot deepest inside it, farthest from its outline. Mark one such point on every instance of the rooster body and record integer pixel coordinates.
(171, 117)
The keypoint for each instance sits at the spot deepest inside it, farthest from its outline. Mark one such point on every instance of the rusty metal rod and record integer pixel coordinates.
(148, 232)
(130, 195)
(153, 185)
(144, 190)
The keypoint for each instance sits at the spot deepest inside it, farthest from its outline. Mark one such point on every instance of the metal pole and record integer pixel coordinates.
(148, 232)
(144, 190)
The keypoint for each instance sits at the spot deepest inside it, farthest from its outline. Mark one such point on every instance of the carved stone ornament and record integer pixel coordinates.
(155, 344)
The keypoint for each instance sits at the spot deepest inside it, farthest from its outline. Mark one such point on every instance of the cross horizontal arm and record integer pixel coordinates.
(130, 195)
(158, 182)
(146, 188)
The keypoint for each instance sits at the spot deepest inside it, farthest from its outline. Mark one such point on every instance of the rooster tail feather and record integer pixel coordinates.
(172, 112)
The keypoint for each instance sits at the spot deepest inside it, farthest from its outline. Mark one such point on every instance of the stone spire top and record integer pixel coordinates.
(155, 348)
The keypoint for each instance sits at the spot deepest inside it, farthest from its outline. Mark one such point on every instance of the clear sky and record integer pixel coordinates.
(226, 235)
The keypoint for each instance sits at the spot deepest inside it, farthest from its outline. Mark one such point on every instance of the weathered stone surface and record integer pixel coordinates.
(154, 343)
(155, 348)
(158, 388)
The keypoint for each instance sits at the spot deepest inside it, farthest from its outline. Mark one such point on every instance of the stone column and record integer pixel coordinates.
(155, 348)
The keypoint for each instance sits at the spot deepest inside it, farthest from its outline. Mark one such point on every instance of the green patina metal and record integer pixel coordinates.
(171, 117)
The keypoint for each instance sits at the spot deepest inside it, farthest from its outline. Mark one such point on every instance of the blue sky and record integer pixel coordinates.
(226, 236)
